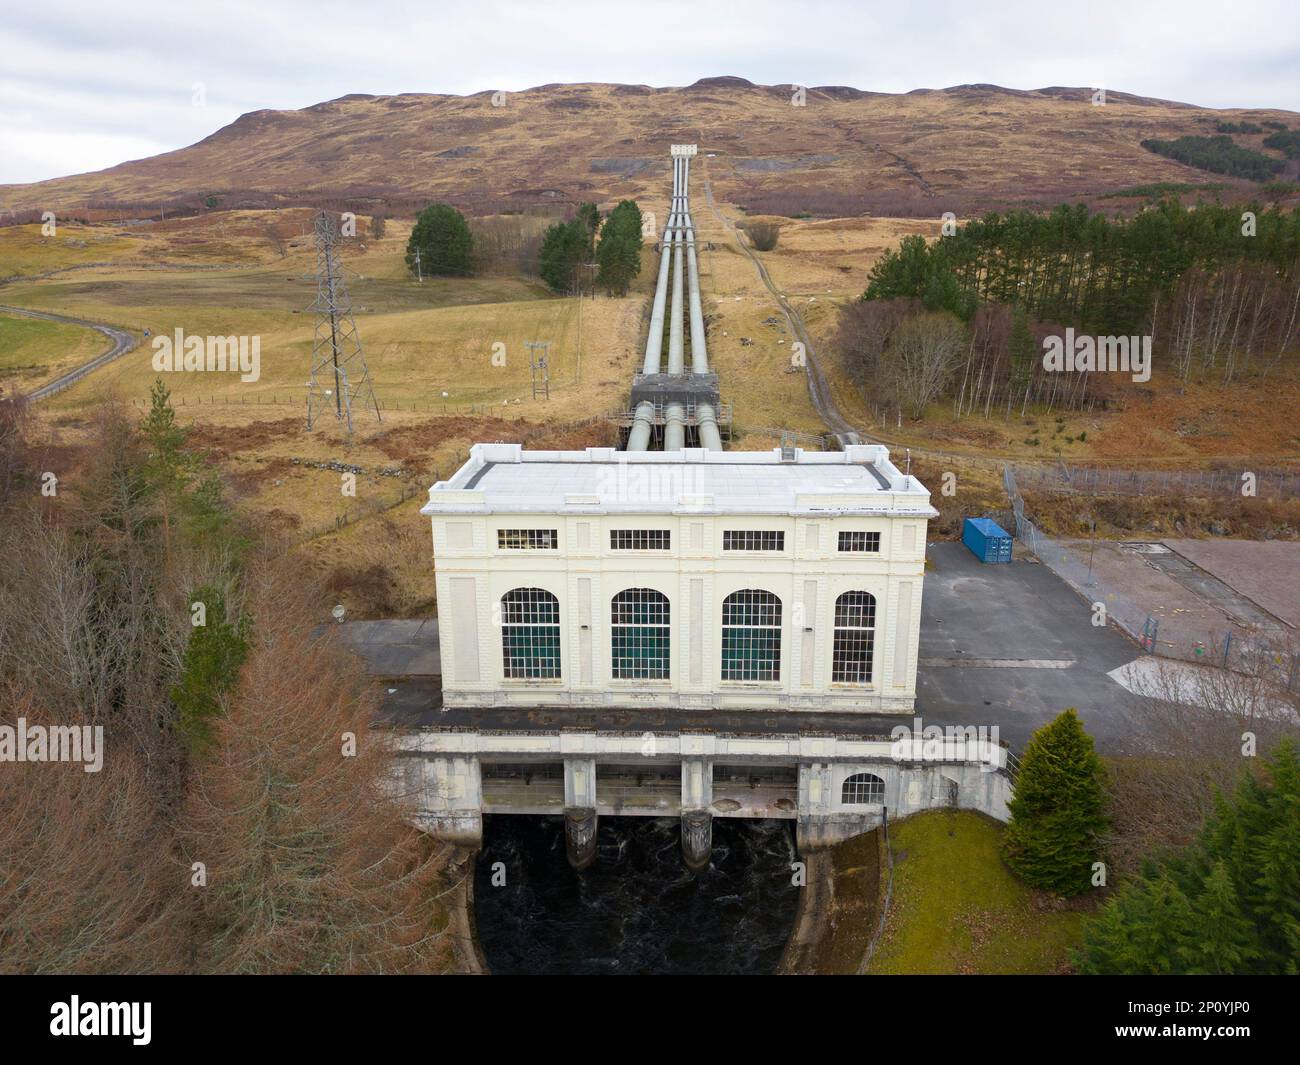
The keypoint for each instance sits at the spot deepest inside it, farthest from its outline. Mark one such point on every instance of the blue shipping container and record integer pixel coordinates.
(987, 540)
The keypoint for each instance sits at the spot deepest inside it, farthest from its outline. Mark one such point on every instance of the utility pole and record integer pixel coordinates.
(1092, 550)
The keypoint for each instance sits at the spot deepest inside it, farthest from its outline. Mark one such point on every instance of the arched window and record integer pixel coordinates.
(855, 638)
(530, 634)
(639, 642)
(863, 789)
(751, 636)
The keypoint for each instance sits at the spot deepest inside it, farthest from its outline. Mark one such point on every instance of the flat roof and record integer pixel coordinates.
(504, 478)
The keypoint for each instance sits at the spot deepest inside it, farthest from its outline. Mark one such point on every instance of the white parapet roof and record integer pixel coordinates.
(506, 479)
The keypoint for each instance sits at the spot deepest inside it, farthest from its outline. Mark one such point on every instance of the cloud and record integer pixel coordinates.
(87, 86)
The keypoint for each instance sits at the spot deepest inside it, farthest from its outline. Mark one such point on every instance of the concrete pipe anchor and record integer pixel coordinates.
(580, 836)
(697, 839)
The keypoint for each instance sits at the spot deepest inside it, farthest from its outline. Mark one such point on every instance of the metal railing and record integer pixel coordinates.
(1097, 480)
(1074, 567)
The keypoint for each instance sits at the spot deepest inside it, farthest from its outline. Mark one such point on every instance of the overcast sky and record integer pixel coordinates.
(86, 85)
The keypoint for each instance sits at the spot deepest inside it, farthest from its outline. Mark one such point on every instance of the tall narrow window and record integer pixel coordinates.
(863, 789)
(855, 638)
(639, 647)
(751, 636)
(530, 634)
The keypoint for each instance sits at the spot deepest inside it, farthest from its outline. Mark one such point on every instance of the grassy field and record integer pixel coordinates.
(26, 252)
(430, 349)
(957, 909)
(34, 351)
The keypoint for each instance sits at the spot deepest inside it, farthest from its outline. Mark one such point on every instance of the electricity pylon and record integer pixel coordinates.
(339, 377)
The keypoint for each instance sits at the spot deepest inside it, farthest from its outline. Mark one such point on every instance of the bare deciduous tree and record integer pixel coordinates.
(922, 356)
(1195, 730)
(84, 863)
(310, 865)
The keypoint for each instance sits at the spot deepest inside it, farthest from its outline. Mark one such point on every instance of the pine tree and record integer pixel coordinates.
(618, 254)
(1057, 813)
(168, 465)
(1143, 931)
(564, 246)
(209, 669)
(1023, 351)
(442, 237)
(589, 216)
(1225, 940)
(1229, 903)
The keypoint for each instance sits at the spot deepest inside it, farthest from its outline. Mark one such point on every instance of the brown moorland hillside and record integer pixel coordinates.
(841, 152)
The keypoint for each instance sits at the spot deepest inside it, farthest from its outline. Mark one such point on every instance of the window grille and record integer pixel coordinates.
(863, 789)
(753, 540)
(859, 541)
(751, 636)
(640, 539)
(855, 638)
(528, 539)
(530, 634)
(639, 641)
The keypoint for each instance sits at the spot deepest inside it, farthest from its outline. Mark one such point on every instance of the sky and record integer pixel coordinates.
(85, 85)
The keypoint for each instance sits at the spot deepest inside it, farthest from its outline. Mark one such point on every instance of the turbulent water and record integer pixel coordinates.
(637, 909)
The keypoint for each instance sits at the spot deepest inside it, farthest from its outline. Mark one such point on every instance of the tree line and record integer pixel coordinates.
(444, 244)
(243, 819)
(1223, 903)
(1219, 155)
(1216, 287)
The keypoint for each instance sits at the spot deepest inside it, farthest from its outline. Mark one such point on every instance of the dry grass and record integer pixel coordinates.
(924, 150)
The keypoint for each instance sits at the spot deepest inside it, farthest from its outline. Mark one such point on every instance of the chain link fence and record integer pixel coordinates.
(1279, 484)
(1259, 653)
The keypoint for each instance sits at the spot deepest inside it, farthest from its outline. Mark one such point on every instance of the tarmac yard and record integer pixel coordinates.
(1013, 645)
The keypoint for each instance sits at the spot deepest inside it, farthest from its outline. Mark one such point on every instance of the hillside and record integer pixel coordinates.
(843, 152)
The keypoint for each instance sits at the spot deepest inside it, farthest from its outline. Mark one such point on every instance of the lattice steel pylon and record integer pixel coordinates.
(339, 376)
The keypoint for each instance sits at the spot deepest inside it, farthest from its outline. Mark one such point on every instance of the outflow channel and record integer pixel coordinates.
(669, 396)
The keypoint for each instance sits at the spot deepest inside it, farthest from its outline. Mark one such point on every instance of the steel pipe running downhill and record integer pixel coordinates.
(639, 438)
(676, 339)
(655, 338)
(674, 427)
(707, 419)
(699, 350)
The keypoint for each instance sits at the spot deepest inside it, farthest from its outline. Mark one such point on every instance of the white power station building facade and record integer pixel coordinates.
(689, 578)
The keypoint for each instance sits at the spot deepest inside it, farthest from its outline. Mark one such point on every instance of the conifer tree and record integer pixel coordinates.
(1228, 904)
(618, 254)
(1220, 938)
(564, 247)
(209, 670)
(1057, 813)
(442, 237)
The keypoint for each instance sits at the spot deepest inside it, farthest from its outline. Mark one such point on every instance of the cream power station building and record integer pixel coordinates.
(694, 578)
(670, 628)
